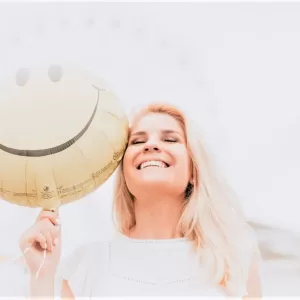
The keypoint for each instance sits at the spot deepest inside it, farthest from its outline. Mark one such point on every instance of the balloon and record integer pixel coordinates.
(62, 134)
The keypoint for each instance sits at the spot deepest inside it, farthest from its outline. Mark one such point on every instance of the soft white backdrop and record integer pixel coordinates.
(234, 67)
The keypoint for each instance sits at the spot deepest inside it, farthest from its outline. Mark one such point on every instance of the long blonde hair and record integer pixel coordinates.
(211, 218)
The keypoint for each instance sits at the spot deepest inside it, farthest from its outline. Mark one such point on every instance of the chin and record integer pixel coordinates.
(154, 177)
(153, 190)
(151, 181)
(155, 184)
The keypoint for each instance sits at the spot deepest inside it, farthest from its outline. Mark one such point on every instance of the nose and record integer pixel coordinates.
(152, 146)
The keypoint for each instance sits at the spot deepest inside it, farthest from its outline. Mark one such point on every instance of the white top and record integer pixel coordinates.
(125, 267)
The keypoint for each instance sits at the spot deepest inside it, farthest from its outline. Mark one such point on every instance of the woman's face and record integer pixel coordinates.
(157, 160)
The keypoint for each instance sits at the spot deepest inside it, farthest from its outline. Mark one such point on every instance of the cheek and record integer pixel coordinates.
(184, 164)
(125, 162)
(128, 162)
(182, 157)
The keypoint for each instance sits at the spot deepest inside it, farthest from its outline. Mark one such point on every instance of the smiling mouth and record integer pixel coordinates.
(158, 164)
(58, 148)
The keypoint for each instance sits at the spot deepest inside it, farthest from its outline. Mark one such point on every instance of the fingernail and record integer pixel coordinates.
(58, 222)
(45, 246)
(55, 242)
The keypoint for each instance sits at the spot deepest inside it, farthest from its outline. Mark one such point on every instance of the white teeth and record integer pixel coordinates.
(155, 163)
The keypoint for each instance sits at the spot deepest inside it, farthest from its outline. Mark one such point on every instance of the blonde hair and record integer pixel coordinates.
(211, 217)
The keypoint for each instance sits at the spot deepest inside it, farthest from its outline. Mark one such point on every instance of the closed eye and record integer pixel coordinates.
(134, 142)
(171, 140)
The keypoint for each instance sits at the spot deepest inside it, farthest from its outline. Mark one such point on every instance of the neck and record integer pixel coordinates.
(156, 217)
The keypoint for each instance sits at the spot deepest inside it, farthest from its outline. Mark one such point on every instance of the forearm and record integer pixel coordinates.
(41, 289)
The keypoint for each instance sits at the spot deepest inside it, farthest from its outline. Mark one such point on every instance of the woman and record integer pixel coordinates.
(180, 231)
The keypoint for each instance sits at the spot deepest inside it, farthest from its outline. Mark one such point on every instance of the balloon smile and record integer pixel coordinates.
(58, 148)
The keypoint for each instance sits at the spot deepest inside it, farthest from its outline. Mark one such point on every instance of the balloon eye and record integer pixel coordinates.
(22, 76)
(55, 73)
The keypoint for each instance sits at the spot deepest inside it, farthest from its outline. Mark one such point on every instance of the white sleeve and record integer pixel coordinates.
(14, 281)
(75, 269)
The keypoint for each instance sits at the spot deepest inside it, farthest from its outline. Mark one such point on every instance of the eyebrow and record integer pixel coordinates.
(164, 131)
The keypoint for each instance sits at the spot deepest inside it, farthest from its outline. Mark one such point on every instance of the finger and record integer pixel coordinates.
(53, 218)
(41, 239)
(50, 232)
(51, 215)
(47, 224)
(55, 234)
(48, 214)
(49, 240)
(43, 212)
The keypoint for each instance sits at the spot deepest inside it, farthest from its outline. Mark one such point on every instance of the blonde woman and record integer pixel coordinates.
(180, 231)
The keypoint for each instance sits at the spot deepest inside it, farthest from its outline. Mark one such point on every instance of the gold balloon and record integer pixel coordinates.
(62, 134)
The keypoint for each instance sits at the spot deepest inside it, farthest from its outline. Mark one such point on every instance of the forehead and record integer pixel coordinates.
(153, 122)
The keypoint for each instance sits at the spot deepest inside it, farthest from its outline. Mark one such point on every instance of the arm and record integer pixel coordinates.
(254, 282)
(41, 288)
(66, 293)
(44, 289)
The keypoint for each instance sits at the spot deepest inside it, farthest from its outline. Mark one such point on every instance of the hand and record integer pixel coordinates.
(45, 234)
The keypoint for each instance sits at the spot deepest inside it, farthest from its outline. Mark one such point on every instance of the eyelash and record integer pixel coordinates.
(168, 140)
(135, 142)
(171, 140)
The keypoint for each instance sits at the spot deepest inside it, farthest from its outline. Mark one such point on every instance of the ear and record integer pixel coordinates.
(189, 190)
(193, 172)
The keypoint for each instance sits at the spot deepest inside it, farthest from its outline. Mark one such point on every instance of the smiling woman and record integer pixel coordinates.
(180, 230)
(157, 140)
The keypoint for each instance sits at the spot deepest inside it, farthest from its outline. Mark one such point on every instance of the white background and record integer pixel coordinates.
(234, 67)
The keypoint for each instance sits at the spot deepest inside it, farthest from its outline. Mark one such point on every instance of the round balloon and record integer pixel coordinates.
(63, 132)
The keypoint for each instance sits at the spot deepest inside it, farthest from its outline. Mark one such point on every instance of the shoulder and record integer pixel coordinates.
(82, 258)
(90, 249)
(82, 266)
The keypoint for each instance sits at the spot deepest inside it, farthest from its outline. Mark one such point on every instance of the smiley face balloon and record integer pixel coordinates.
(62, 134)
